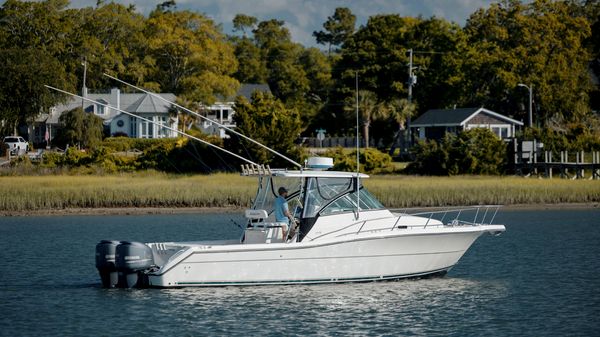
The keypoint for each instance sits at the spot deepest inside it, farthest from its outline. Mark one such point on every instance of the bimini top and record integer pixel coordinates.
(262, 170)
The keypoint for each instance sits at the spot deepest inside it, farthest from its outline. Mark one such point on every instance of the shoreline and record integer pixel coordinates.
(200, 210)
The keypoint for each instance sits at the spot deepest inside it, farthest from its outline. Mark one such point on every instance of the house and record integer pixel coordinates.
(433, 124)
(222, 111)
(115, 122)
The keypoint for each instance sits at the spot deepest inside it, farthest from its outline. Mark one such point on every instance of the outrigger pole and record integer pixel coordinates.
(357, 156)
(205, 118)
(155, 123)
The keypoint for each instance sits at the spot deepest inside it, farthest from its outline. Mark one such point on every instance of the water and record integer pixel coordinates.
(539, 278)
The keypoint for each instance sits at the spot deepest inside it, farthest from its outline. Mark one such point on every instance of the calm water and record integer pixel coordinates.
(540, 278)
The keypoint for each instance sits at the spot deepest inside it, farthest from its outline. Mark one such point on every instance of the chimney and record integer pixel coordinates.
(115, 97)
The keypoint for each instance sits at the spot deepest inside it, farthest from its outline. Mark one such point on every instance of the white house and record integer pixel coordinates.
(433, 124)
(222, 111)
(117, 123)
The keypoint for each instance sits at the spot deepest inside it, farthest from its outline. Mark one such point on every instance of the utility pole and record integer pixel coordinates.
(84, 89)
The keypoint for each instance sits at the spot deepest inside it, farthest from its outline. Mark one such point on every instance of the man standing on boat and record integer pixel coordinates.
(282, 212)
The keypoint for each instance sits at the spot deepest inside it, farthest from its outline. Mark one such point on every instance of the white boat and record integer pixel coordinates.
(336, 241)
(345, 234)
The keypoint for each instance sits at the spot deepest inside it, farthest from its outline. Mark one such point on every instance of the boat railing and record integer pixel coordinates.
(455, 216)
(461, 216)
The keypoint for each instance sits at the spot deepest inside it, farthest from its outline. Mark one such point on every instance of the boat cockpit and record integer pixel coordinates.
(312, 195)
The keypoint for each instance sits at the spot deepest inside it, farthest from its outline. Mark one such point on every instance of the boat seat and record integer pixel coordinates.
(264, 232)
(256, 214)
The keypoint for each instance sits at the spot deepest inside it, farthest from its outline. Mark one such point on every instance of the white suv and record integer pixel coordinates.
(16, 145)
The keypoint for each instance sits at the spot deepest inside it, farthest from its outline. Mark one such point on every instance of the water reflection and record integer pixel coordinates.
(409, 305)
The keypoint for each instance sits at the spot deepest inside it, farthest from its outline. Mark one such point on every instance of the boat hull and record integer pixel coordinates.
(361, 258)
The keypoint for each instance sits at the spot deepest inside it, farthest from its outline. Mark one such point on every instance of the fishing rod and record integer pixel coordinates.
(205, 118)
(155, 123)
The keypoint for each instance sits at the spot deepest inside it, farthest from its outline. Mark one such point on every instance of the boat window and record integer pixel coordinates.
(347, 203)
(267, 192)
(320, 191)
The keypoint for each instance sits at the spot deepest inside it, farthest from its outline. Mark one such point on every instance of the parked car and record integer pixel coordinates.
(16, 145)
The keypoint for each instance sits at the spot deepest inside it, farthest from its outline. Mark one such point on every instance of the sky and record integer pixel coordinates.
(303, 17)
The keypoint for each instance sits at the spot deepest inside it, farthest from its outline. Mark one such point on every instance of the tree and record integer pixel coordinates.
(80, 128)
(252, 67)
(338, 28)
(266, 120)
(23, 74)
(379, 52)
(31, 39)
(540, 43)
(109, 38)
(399, 110)
(369, 109)
(193, 60)
(475, 151)
(242, 22)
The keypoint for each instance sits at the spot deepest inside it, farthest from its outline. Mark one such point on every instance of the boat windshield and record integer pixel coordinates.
(333, 195)
(267, 193)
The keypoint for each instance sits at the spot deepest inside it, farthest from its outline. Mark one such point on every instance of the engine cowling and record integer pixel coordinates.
(105, 262)
(131, 259)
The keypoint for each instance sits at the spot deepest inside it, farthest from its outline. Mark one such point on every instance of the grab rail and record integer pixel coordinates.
(456, 221)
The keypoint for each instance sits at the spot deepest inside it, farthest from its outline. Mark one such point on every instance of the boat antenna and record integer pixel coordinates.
(357, 156)
(205, 118)
(153, 122)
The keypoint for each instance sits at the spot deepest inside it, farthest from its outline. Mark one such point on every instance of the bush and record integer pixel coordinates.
(476, 151)
(371, 160)
(574, 137)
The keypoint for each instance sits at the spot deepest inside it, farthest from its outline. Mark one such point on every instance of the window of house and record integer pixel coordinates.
(162, 132)
(133, 127)
(100, 109)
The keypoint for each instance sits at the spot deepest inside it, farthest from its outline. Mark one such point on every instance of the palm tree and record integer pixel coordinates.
(370, 109)
(400, 110)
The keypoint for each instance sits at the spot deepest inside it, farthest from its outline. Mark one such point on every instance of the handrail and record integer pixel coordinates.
(346, 227)
(454, 222)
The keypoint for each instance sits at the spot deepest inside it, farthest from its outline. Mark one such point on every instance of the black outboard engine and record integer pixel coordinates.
(132, 258)
(105, 262)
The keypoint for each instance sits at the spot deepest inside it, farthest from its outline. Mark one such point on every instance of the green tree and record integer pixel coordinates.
(252, 66)
(378, 51)
(399, 110)
(23, 74)
(475, 151)
(193, 59)
(110, 38)
(31, 43)
(539, 43)
(369, 109)
(80, 128)
(338, 28)
(242, 22)
(269, 122)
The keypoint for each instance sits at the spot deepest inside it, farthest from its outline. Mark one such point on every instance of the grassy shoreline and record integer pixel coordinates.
(155, 191)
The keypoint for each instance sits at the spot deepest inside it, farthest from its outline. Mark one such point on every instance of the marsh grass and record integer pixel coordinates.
(152, 189)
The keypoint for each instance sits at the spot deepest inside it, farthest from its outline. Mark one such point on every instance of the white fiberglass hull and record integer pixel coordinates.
(365, 257)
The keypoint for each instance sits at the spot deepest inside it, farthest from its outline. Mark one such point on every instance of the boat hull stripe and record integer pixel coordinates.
(315, 281)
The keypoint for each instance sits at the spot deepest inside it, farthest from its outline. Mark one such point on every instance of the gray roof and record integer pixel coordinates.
(444, 116)
(138, 103)
(455, 117)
